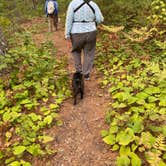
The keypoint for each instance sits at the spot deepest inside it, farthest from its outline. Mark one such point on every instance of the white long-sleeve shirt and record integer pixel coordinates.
(85, 13)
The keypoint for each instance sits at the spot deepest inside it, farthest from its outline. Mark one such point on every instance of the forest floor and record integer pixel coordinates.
(78, 141)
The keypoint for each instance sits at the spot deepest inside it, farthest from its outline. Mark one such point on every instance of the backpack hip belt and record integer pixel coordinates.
(85, 2)
(82, 21)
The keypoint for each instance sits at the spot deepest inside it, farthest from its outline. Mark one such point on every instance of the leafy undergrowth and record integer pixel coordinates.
(33, 84)
(137, 112)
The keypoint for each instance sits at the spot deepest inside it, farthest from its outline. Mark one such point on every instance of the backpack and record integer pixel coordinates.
(50, 7)
(88, 3)
(85, 2)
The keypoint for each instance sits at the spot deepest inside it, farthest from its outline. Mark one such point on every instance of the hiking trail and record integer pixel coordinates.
(78, 140)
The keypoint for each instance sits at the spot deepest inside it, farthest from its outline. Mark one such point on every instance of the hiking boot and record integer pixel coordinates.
(87, 77)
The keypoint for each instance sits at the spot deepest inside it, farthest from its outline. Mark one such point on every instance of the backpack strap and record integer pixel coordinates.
(79, 7)
(85, 2)
(93, 10)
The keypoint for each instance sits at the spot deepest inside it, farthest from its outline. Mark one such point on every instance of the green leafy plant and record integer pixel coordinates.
(33, 84)
(137, 103)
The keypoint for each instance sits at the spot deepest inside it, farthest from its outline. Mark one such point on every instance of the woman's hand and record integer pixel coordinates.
(69, 44)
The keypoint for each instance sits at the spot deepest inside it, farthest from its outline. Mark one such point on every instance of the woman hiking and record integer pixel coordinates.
(51, 9)
(81, 31)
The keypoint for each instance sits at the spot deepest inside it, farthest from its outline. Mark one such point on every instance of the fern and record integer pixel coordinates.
(160, 143)
(139, 35)
(154, 157)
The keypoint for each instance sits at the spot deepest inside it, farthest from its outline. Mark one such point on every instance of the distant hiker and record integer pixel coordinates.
(51, 9)
(81, 31)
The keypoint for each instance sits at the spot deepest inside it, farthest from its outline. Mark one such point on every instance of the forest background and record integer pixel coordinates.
(133, 69)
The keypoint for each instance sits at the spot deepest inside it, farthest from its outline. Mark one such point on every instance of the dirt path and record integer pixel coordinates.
(78, 140)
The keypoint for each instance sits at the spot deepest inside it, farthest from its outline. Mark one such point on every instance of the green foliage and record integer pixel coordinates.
(20, 163)
(126, 13)
(158, 14)
(137, 101)
(154, 30)
(154, 156)
(16, 11)
(119, 12)
(4, 21)
(33, 84)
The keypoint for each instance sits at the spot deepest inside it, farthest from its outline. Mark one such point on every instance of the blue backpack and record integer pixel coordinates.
(52, 7)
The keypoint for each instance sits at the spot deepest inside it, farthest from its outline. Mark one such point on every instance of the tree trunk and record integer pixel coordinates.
(34, 4)
(3, 44)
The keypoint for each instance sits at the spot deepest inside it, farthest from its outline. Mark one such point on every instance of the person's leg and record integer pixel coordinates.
(49, 23)
(89, 52)
(52, 22)
(56, 21)
(77, 45)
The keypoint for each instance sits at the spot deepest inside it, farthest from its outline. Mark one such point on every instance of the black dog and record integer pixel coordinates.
(78, 86)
